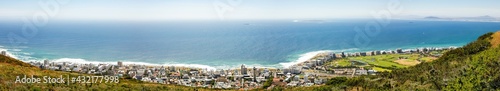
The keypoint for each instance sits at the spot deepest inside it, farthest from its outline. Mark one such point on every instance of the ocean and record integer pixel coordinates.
(225, 44)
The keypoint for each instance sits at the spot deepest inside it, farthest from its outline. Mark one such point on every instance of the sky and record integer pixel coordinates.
(244, 9)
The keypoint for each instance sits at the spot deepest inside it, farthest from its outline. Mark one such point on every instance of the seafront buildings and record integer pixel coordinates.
(308, 73)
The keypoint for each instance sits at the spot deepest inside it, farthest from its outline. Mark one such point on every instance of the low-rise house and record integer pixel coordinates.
(222, 85)
(339, 71)
(293, 83)
(350, 71)
(308, 84)
(175, 75)
(378, 52)
(363, 54)
(137, 77)
(76, 69)
(361, 72)
(372, 72)
(318, 81)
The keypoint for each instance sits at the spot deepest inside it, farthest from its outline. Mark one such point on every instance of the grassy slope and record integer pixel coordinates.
(471, 67)
(495, 42)
(475, 66)
(385, 61)
(10, 68)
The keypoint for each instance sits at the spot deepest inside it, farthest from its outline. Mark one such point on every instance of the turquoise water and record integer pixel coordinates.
(225, 44)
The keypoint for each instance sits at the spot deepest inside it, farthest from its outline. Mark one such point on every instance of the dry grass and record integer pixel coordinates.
(407, 62)
(432, 59)
(428, 59)
(495, 42)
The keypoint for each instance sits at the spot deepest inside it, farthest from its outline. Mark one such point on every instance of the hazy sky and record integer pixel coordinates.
(247, 9)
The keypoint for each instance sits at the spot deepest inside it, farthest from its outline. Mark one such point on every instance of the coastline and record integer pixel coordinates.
(283, 51)
(303, 58)
(310, 55)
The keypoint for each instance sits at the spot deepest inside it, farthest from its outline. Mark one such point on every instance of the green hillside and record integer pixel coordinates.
(475, 66)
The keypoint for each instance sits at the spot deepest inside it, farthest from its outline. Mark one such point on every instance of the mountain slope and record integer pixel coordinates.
(472, 67)
(475, 66)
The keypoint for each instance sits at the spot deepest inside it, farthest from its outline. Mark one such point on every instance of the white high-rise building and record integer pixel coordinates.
(120, 64)
(172, 68)
(306, 78)
(243, 70)
(4, 53)
(254, 74)
(45, 62)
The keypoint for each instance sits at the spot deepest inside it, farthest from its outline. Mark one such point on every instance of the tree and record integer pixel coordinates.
(268, 82)
(336, 81)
